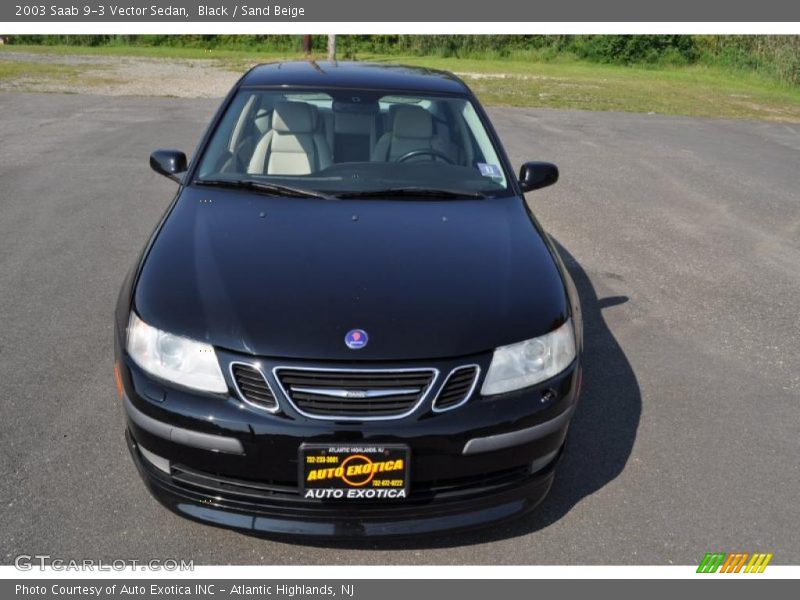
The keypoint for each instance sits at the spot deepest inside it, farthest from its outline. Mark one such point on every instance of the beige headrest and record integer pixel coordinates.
(293, 117)
(412, 122)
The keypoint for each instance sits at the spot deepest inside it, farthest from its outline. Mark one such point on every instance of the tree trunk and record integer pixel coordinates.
(332, 48)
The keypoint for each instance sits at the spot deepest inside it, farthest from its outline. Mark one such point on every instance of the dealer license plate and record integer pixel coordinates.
(354, 472)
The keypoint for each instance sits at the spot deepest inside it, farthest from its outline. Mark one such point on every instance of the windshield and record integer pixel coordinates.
(355, 142)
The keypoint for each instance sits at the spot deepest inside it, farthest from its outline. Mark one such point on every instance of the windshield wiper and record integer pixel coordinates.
(261, 186)
(413, 192)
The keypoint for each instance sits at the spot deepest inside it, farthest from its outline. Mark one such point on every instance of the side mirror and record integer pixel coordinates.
(536, 175)
(168, 163)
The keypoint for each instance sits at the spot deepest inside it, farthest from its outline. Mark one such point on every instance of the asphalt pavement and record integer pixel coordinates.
(683, 237)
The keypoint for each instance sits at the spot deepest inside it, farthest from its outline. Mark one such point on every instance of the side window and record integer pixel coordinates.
(243, 123)
(221, 145)
(486, 158)
(477, 155)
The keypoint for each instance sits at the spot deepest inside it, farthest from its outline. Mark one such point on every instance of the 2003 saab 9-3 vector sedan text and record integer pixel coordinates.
(348, 323)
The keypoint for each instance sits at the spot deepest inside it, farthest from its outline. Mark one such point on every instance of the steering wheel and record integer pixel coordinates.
(425, 152)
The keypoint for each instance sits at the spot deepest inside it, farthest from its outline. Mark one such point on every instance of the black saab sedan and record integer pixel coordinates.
(348, 322)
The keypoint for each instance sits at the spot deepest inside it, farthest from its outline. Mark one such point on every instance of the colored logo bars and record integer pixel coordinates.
(734, 562)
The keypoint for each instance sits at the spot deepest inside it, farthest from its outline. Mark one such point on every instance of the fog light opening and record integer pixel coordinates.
(540, 463)
(162, 464)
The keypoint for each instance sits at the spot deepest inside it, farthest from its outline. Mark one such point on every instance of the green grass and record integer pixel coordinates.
(244, 56)
(22, 70)
(694, 91)
(533, 82)
(28, 76)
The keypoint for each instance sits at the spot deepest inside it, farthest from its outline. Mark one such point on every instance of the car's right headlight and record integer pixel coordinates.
(530, 362)
(174, 358)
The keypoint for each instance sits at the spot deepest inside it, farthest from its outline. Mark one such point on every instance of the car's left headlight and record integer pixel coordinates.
(530, 362)
(174, 358)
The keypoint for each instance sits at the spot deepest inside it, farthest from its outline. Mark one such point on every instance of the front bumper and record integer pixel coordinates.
(222, 462)
(280, 510)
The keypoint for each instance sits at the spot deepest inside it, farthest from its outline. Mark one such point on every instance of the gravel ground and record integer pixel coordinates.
(126, 76)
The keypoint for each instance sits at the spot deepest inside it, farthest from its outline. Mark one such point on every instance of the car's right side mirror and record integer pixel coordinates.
(168, 163)
(536, 175)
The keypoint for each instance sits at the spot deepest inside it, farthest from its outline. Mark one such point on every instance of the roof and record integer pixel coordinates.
(349, 74)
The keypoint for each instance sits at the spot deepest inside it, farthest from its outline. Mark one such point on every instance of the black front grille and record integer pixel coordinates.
(218, 485)
(457, 388)
(355, 394)
(253, 387)
(258, 492)
(440, 489)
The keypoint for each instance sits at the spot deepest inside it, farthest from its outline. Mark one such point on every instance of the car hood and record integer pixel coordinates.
(289, 277)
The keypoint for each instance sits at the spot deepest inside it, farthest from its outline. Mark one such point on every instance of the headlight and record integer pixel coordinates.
(527, 363)
(174, 358)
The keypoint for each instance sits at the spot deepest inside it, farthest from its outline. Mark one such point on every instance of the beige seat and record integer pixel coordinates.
(412, 130)
(293, 146)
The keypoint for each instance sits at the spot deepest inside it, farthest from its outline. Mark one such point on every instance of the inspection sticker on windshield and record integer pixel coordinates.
(354, 472)
(490, 170)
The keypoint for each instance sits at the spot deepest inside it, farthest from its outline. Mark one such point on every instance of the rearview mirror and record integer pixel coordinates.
(536, 175)
(168, 163)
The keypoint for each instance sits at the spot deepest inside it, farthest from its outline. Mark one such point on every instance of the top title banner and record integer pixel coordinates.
(469, 11)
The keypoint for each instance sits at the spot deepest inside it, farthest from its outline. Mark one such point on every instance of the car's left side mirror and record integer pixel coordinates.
(168, 163)
(536, 175)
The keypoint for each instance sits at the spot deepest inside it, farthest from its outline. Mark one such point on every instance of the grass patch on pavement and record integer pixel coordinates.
(26, 70)
(525, 82)
(23, 76)
(29, 76)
